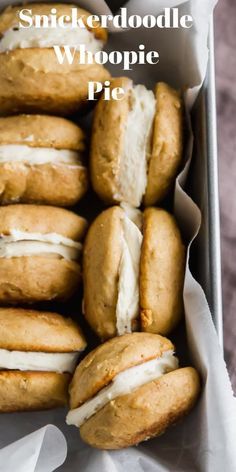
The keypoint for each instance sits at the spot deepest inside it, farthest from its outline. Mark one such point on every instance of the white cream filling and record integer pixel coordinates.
(122, 384)
(36, 156)
(133, 214)
(20, 243)
(42, 361)
(127, 307)
(48, 38)
(134, 162)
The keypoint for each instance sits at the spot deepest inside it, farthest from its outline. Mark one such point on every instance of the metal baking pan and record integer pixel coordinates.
(206, 257)
(202, 185)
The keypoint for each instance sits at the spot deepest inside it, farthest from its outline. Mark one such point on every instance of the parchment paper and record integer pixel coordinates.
(205, 440)
(42, 451)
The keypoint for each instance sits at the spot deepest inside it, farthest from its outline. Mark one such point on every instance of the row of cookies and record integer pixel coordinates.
(133, 263)
(135, 153)
(131, 376)
(41, 163)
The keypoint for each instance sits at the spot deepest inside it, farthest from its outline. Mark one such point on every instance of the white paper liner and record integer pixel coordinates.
(41, 451)
(205, 440)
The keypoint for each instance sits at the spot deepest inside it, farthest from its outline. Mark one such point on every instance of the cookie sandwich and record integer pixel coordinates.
(130, 389)
(41, 160)
(133, 270)
(40, 251)
(31, 76)
(38, 354)
(137, 144)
